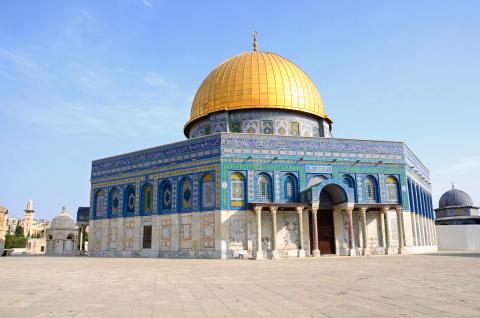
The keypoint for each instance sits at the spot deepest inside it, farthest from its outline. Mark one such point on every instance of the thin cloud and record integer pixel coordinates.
(18, 65)
(158, 80)
(148, 3)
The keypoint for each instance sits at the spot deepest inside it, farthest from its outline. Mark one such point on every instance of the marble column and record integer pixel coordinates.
(382, 230)
(79, 241)
(363, 214)
(273, 210)
(399, 211)
(258, 212)
(301, 250)
(414, 230)
(315, 251)
(351, 248)
(387, 231)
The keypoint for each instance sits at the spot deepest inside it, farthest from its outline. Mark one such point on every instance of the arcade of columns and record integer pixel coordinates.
(424, 232)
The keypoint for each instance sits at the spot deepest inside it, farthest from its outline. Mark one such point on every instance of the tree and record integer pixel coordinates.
(19, 230)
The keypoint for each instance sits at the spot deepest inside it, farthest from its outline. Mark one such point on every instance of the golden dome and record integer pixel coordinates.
(257, 79)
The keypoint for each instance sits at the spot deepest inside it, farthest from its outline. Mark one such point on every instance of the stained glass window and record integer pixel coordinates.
(392, 189)
(370, 191)
(237, 189)
(289, 188)
(147, 198)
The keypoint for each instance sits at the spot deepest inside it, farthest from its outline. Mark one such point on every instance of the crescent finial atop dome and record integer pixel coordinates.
(255, 34)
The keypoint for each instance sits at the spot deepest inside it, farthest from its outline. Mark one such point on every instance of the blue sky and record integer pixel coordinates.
(82, 80)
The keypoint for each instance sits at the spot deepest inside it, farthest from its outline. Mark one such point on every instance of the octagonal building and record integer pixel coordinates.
(261, 176)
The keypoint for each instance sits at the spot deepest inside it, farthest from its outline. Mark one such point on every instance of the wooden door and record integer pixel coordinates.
(326, 233)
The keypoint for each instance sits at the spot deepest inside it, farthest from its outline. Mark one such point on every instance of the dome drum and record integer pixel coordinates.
(261, 121)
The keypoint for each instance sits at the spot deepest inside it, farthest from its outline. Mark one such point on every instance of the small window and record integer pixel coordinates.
(147, 236)
(294, 128)
(42, 248)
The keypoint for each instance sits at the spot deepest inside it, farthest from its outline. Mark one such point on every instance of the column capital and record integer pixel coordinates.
(314, 210)
(363, 209)
(273, 209)
(349, 211)
(300, 209)
(399, 209)
(385, 209)
(258, 209)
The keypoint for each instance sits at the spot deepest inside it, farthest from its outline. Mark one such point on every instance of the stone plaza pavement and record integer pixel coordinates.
(434, 285)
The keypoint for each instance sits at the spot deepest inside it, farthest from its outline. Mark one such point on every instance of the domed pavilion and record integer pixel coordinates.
(62, 235)
(260, 175)
(456, 207)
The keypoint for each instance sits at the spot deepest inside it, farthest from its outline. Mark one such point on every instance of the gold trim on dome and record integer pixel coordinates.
(257, 79)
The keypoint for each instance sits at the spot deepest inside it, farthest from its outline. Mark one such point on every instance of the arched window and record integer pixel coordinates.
(99, 200)
(70, 237)
(147, 198)
(129, 199)
(208, 191)
(165, 196)
(237, 190)
(186, 194)
(370, 189)
(392, 189)
(315, 180)
(114, 201)
(264, 188)
(348, 182)
(290, 188)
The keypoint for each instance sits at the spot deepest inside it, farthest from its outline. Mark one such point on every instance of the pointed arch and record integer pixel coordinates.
(146, 196)
(129, 198)
(99, 203)
(207, 191)
(237, 190)
(165, 196)
(186, 194)
(290, 188)
(392, 188)
(370, 184)
(264, 187)
(113, 202)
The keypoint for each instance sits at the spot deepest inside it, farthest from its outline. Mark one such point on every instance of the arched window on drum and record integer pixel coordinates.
(208, 191)
(237, 190)
(392, 189)
(370, 188)
(290, 188)
(264, 188)
(99, 203)
(186, 194)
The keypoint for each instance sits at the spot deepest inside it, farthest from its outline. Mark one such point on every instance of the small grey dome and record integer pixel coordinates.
(62, 221)
(454, 198)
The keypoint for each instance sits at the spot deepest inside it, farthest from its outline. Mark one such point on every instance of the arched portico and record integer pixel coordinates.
(327, 197)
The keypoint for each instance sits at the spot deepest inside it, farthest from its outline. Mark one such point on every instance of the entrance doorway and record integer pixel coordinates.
(326, 232)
